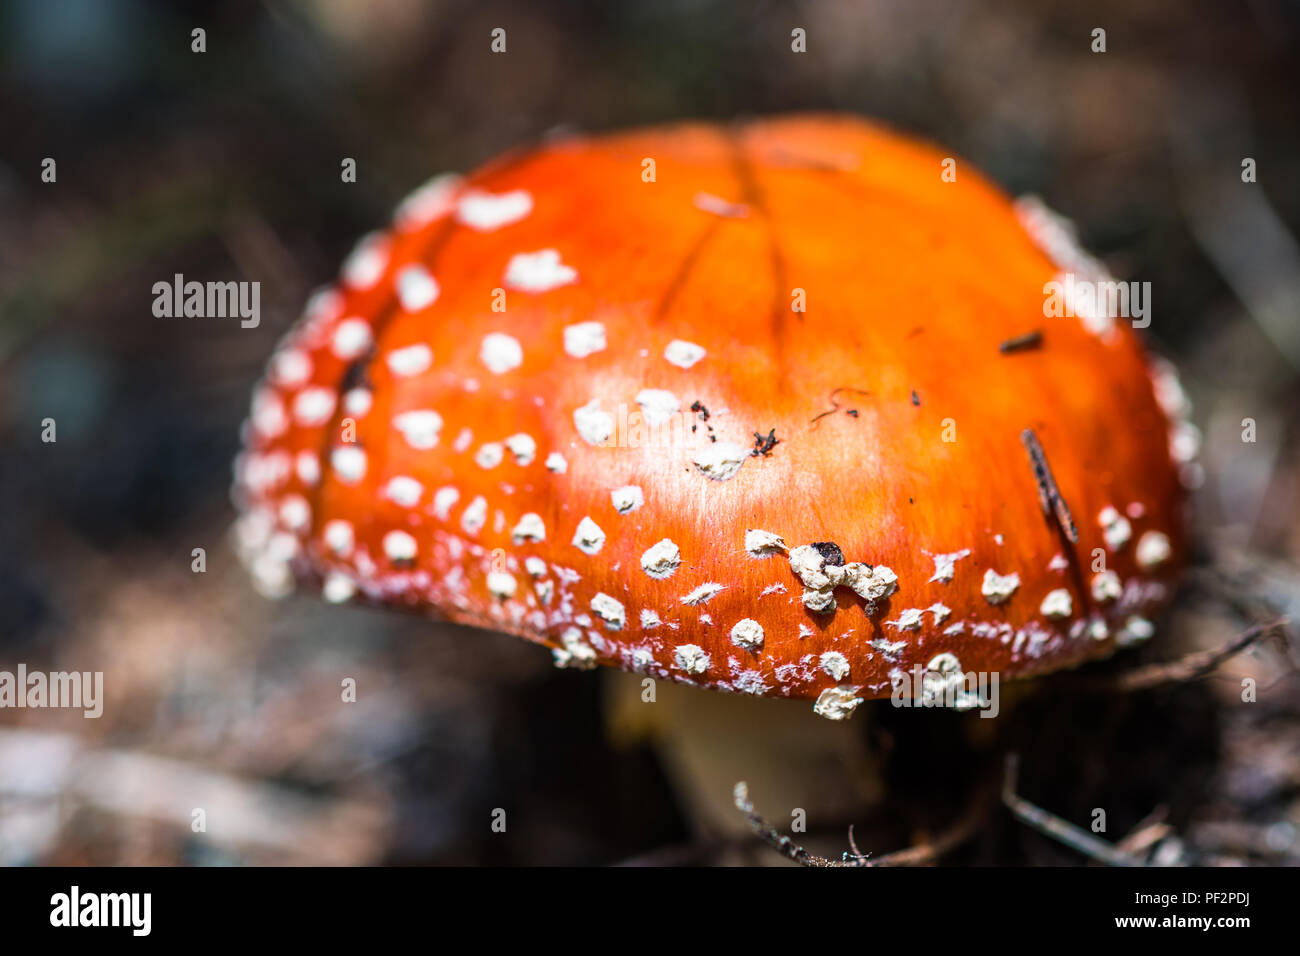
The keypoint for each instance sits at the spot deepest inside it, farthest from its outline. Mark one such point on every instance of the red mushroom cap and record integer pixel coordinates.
(771, 408)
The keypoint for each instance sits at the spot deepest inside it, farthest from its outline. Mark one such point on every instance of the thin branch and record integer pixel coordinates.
(1053, 826)
(1049, 494)
(1187, 668)
(921, 855)
(1149, 831)
(1021, 343)
(774, 838)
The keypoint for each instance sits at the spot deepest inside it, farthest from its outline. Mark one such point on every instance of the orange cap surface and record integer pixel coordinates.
(726, 405)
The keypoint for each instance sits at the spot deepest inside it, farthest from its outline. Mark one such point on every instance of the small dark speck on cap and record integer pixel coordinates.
(1030, 340)
(830, 552)
(916, 399)
(763, 444)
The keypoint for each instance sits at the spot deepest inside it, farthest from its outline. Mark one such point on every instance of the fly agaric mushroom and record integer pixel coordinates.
(786, 417)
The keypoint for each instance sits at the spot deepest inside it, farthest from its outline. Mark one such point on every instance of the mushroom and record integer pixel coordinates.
(752, 425)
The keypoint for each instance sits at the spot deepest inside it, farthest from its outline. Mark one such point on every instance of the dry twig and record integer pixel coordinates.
(954, 836)
(1190, 667)
(1053, 826)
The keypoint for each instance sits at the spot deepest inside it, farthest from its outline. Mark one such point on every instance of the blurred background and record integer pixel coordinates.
(225, 165)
